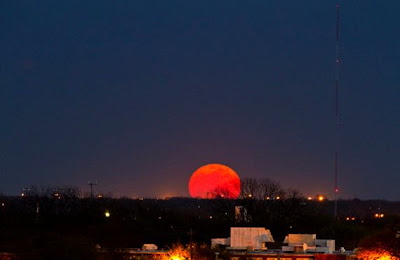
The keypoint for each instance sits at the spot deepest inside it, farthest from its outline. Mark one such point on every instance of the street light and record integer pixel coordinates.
(107, 214)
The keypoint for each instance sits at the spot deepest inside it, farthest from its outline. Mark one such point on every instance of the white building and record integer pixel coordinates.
(149, 247)
(255, 238)
(308, 243)
(220, 241)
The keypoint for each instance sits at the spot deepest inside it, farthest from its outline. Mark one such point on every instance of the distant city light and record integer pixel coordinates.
(309, 198)
(379, 215)
(278, 198)
(321, 198)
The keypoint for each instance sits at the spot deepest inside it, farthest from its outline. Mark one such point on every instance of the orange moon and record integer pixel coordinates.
(214, 181)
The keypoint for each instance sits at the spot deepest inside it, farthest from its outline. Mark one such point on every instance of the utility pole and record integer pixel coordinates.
(91, 184)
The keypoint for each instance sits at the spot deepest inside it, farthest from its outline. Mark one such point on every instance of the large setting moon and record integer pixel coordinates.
(214, 181)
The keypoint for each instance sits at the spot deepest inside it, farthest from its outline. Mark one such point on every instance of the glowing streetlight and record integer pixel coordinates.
(107, 214)
(321, 198)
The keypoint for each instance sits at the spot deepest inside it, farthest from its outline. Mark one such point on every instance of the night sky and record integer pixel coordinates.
(138, 94)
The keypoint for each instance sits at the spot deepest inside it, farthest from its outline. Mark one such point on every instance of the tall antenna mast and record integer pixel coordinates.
(338, 61)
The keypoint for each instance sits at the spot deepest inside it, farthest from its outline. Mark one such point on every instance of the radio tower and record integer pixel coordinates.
(338, 61)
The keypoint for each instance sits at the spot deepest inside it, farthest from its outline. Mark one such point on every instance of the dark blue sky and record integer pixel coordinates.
(138, 94)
